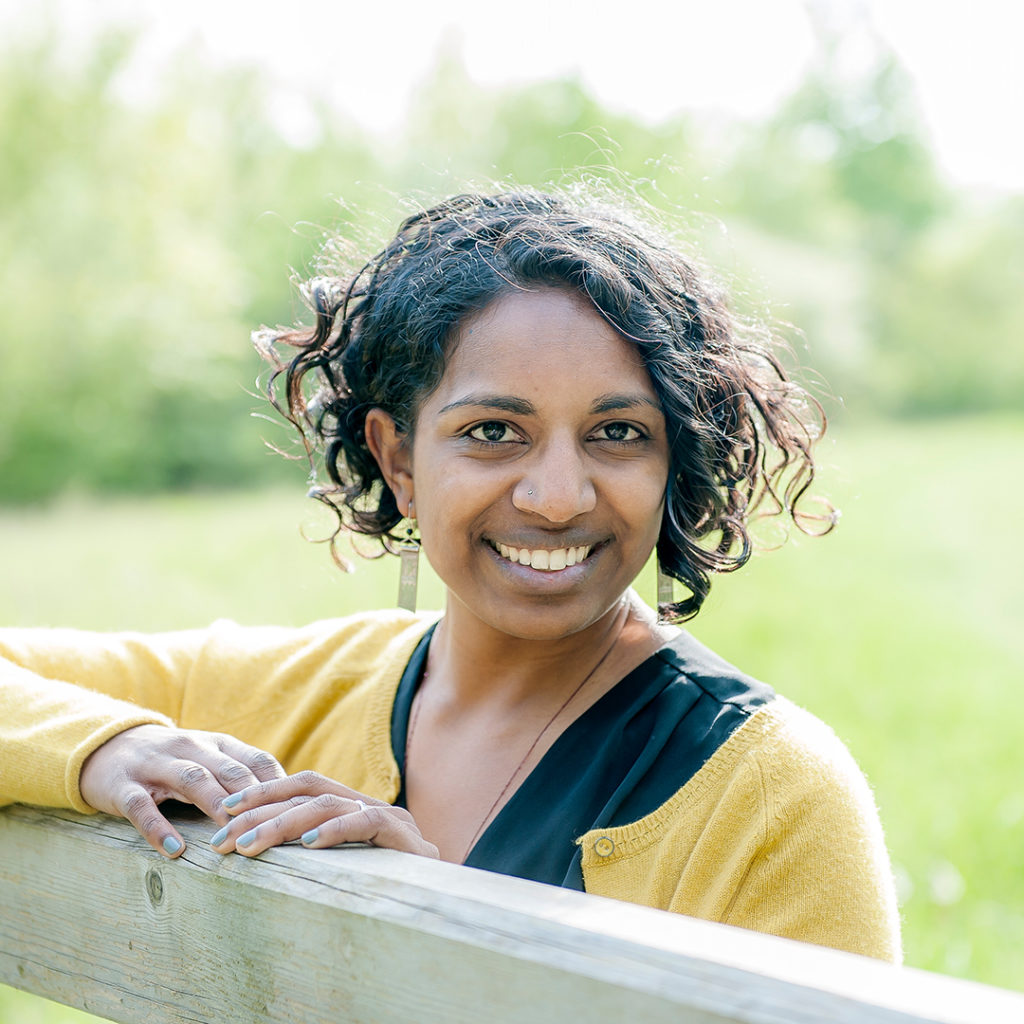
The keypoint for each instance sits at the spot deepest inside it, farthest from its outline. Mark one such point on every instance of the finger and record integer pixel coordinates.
(141, 810)
(232, 776)
(279, 790)
(263, 766)
(262, 827)
(374, 824)
(225, 838)
(193, 783)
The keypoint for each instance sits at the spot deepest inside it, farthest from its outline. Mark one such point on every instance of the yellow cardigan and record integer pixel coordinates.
(777, 832)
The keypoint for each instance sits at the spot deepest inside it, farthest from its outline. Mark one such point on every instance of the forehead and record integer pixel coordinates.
(540, 337)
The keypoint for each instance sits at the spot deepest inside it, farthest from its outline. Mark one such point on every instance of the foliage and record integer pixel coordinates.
(148, 239)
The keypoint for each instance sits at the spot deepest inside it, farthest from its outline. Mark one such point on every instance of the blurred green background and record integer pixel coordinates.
(143, 242)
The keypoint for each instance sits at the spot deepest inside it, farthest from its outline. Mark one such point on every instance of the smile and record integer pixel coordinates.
(545, 559)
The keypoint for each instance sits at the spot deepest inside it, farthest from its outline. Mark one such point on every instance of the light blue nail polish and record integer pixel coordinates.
(311, 836)
(171, 845)
(218, 837)
(234, 798)
(246, 839)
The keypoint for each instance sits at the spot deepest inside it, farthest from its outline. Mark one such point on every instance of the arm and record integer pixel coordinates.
(63, 693)
(86, 721)
(777, 832)
(818, 869)
(285, 690)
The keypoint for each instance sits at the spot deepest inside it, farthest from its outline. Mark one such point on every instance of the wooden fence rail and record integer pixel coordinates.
(92, 917)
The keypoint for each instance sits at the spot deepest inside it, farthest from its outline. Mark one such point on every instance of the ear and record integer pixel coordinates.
(393, 453)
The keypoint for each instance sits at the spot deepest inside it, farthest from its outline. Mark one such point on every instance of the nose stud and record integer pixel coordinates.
(529, 493)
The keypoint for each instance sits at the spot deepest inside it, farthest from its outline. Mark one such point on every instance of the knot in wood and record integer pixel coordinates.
(154, 886)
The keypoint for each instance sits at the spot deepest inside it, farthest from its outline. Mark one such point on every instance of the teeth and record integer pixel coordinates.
(542, 558)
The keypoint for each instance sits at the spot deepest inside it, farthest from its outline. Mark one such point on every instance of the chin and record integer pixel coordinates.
(553, 620)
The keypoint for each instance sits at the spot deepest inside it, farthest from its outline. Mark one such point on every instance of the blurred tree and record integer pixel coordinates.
(949, 317)
(146, 240)
(542, 133)
(841, 161)
(143, 258)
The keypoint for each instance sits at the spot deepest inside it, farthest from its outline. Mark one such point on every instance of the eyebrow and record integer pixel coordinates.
(630, 400)
(503, 403)
(521, 407)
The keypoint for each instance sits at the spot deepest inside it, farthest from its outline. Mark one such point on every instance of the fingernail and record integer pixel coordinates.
(311, 836)
(246, 839)
(218, 837)
(171, 845)
(233, 799)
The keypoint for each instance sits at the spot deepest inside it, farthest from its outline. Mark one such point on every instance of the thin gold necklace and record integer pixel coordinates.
(533, 746)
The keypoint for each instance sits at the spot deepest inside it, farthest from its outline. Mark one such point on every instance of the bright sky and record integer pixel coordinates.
(647, 57)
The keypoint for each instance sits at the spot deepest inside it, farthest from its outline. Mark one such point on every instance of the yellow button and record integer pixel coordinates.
(604, 847)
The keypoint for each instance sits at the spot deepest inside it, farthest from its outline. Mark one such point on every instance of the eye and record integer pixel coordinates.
(493, 432)
(621, 433)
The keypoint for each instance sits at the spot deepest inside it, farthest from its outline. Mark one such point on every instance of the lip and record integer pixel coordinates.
(570, 574)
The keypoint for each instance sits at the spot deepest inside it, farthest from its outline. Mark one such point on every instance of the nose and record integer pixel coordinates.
(556, 483)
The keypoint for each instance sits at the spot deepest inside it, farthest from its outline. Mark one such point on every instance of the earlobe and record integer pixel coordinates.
(393, 454)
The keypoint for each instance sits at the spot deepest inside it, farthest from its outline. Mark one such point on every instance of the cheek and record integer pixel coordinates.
(448, 505)
(643, 493)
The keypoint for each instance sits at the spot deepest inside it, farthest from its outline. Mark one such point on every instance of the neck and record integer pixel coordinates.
(478, 664)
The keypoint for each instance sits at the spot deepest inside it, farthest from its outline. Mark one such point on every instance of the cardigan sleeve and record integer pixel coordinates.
(292, 691)
(818, 869)
(63, 693)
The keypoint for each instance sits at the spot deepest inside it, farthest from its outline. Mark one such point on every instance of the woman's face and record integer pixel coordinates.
(539, 466)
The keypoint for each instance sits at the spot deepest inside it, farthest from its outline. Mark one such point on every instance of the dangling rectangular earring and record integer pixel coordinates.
(666, 590)
(409, 568)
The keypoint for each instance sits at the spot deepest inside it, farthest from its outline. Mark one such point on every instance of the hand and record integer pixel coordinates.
(137, 769)
(320, 812)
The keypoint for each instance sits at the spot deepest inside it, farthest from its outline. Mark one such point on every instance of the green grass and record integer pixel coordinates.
(901, 629)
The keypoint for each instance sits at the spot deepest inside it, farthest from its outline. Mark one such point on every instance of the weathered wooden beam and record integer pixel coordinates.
(92, 917)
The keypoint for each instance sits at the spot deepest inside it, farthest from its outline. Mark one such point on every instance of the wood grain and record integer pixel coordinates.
(92, 917)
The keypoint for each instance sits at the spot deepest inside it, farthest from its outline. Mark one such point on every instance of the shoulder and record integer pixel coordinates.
(359, 640)
(769, 736)
(699, 668)
(794, 752)
(778, 768)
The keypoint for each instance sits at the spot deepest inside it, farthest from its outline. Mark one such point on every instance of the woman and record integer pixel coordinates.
(550, 394)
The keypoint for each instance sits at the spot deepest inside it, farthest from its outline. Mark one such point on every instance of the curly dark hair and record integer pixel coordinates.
(740, 431)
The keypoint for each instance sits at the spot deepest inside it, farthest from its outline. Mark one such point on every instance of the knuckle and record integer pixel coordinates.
(182, 743)
(192, 775)
(149, 824)
(234, 772)
(326, 802)
(308, 778)
(133, 804)
(378, 817)
(249, 819)
(269, 833)
(260, 760)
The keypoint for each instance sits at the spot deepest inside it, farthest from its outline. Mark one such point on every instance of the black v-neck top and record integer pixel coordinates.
(620, 760)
